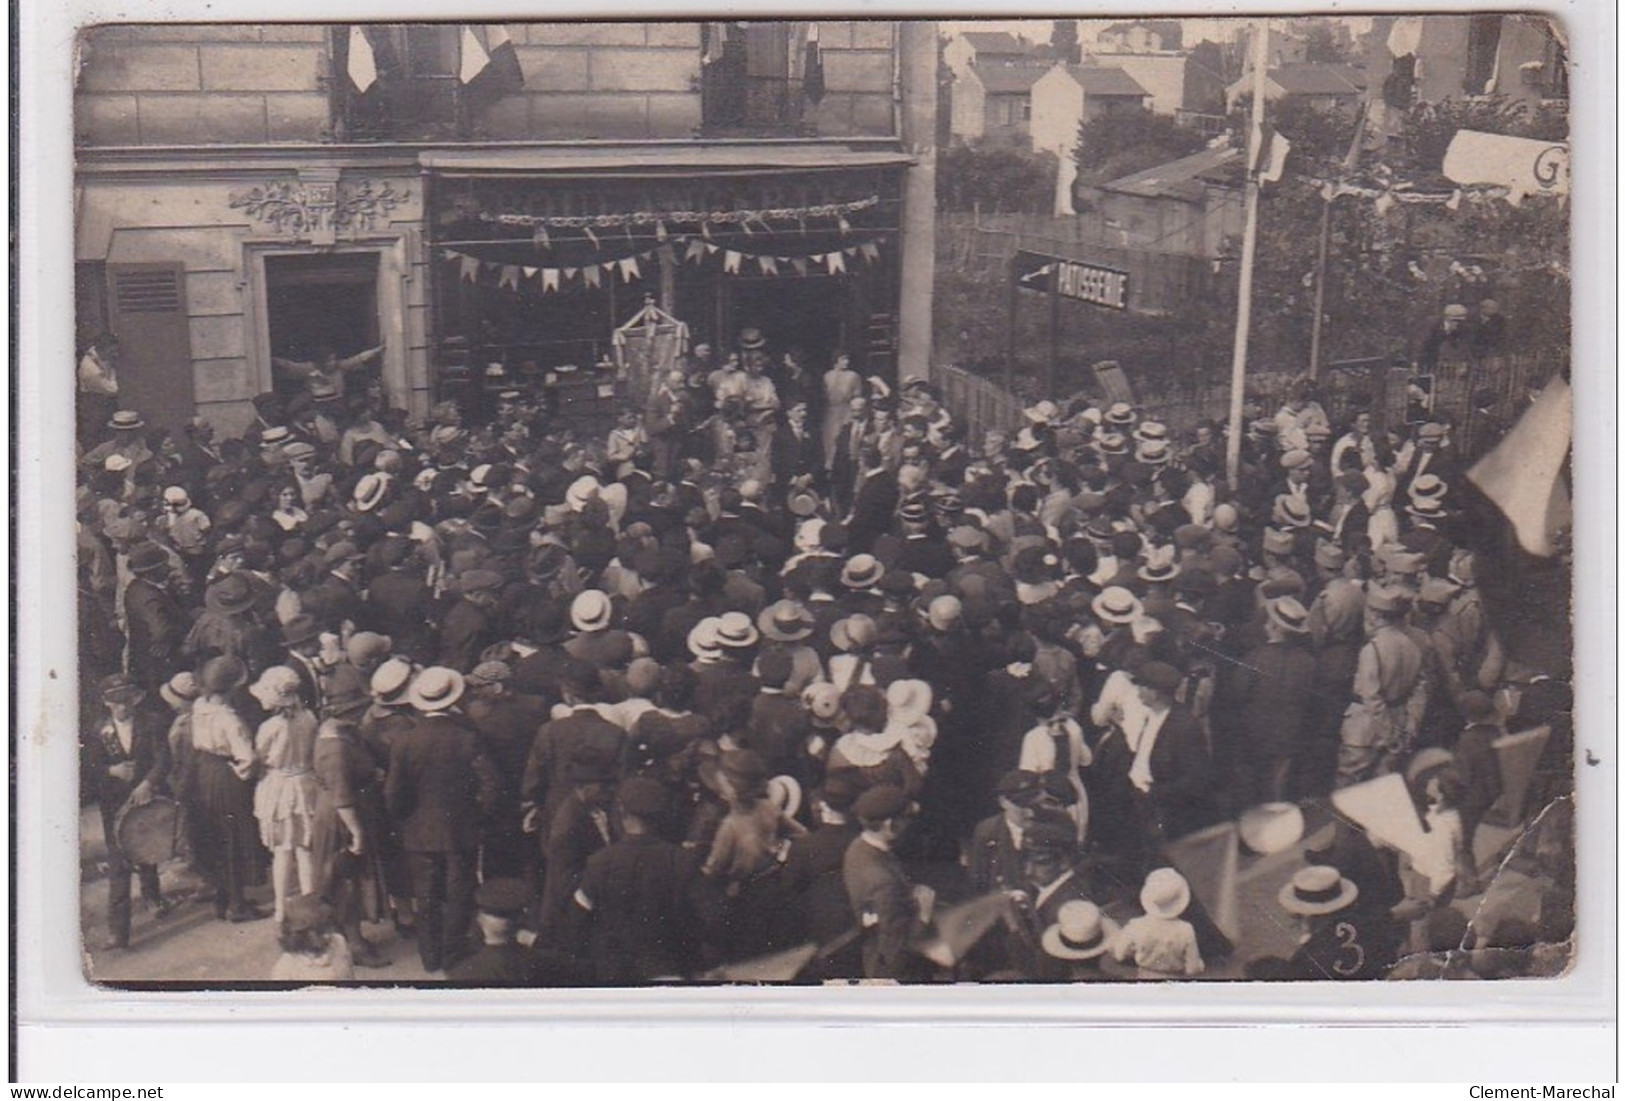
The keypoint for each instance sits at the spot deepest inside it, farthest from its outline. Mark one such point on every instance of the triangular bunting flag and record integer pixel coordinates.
(363, 65)
(550, 279)
(447, 254)
(591, 276)
(530, 272)
(711, 250)
(835, 262)
(800, 265)
(705, 230)
(471, 268)
(695, 250)
(768, 265)
(629, 269)
(730, 262)
(846, 226)
(660, 231)
(541, 238)
(570, 273)
(591, 236)
(851, 250)
(870, 250)
(509, 277)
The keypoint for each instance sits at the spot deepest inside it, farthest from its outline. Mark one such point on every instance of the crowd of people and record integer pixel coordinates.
(780, 658)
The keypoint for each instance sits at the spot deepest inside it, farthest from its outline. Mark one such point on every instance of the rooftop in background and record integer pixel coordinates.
(1000, 81)
(1186, 179)
(997, 43)
(1315, 79)
(1101, 80)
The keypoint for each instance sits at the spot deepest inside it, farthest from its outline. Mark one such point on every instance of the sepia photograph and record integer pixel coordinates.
(824, 502)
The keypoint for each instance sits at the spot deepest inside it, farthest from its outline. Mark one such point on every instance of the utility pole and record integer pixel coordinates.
(1249, 248)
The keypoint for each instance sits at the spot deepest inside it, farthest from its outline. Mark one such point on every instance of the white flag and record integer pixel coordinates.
(1275, 158)
(473, 58)
(1524, 474)
(363, 65)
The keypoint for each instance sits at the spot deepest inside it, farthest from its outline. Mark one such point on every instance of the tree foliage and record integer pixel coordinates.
(995, 179)
(1120, 144)
(1063, 42)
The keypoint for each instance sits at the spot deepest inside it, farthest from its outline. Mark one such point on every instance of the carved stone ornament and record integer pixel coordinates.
(317, 209)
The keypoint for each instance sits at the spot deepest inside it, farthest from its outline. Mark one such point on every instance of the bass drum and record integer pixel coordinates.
(149, 833)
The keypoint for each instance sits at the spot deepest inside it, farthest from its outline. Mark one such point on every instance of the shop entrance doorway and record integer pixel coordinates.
(812, 314)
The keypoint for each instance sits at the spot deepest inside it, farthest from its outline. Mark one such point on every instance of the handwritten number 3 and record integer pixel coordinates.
(1347, 940)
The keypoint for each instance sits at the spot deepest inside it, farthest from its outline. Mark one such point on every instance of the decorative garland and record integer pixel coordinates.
(1384, 198)
(659, 218)
(695, 251)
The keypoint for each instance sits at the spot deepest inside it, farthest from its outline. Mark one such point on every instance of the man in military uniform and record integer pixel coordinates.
(889, 908)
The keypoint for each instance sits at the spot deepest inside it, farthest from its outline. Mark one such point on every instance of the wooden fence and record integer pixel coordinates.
(1160, 283)
(1382, 388)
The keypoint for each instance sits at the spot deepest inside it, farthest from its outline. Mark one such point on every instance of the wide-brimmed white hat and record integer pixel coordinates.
(785, 791)
(1318, 889)
(436, 689)
(1080, 932)
(1165, 894)
(1117, 605)
(369, 491)
(591, 610)
(702, 639)
(735, 631)
(1271, 827)
(277, 687)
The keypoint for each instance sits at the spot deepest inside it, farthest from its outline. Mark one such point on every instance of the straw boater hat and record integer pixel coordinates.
(1147, 431)
(1293, 512)
(735, 631)
(855, 632)
(1318, 889)
(1117, 605)
(1271, 827)
(1427, 508)
(864, 571)
(1120, 413)
(1112, 443)
(751, 339)
(591, 610)
(1152, 452)
(1287, 613)
(369, 491)
(1429, 486)
(180, 689)
(944, 612)
(391, 680)
(785, 621)
(582, 490)
(702, 639)
(1165, 894)
(126, 420)
(1080, 932)
(1042, 413)
(436, 689)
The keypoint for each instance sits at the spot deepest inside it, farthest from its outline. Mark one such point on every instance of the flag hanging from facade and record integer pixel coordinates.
(363, 63)
(1523, 476)
(813, 71)
(487, 62)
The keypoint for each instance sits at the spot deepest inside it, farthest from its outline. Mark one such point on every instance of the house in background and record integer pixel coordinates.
(1432, 58)
(1325, 87)
(993, 105)
(1145, 36)
(987, 49)
(988, 89)
(1192, 206)
(1176, 81)
(1069, 95)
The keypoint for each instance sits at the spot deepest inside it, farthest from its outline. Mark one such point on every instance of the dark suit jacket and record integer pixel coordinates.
(874, 508)
(466, 632)
(438, 784)
(995, 861)
(1182, 775)
(149, 752)
(793, 458)
(400, 605)
(557, 745)
(157, 628)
